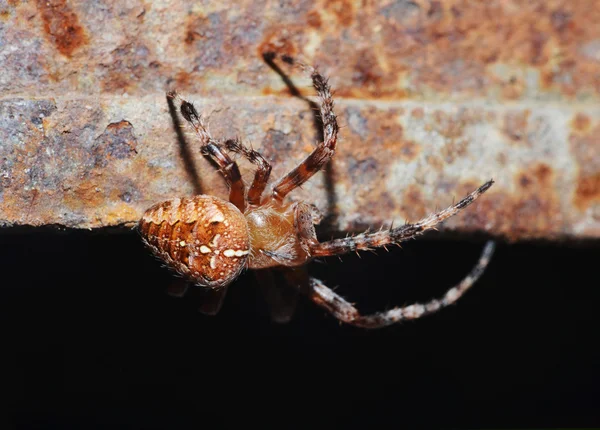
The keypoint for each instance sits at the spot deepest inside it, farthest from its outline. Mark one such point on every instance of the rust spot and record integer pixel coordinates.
(408, 150)
(543, 173)
(194, 29)
(435, 11)
(274, 41)
(343, 11)
(367, 72)
(418, 113)
(540, 176)
(584, 146)
(129, 64)
(314, 19)
(86, 194)
(453, 149)
(581, 123)
(524, 180)
(413, 204)
(588, 191)
(62, 26)
(183, 80)
(117, 142)
(4, 15)
(515, 126)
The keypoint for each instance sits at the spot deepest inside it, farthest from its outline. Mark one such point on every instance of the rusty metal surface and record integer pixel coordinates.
(434, 98)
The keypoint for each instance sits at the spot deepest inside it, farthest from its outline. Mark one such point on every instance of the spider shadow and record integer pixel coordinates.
(330, 219)
(184, 148)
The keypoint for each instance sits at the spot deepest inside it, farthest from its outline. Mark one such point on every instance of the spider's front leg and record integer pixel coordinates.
(325, 150)
(346, 312)
(369, 241)
(213, 150)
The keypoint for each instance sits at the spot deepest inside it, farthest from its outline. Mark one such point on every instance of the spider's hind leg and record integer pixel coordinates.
(211, 300)
(178, 287)
(281, 299)
(346, 312)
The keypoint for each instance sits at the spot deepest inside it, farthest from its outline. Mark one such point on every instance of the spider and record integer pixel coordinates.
(209, 241)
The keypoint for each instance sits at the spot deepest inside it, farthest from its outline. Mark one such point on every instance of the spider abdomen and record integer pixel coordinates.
(203, 238)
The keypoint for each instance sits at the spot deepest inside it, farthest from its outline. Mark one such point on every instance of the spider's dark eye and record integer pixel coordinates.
(189, 112)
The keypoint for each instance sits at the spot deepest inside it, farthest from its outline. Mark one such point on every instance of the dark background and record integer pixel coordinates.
(92, 340)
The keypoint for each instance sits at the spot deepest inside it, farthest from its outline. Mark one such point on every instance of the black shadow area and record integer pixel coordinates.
(184, 147)
(91, 340)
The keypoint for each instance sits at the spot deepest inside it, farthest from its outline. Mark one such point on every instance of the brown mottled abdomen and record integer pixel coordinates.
(203, 238)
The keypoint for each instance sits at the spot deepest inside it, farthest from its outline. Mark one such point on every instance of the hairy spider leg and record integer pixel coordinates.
(368, 241)
(324, 150)
(178, 287)
(214, 152)
(212, 300)
(281, 299)
(263, 169)
(346, 312)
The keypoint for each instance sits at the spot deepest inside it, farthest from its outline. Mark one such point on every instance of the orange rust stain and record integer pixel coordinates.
(86, 195)
(343, 10)
(62, 26)
(123, 211)
(4, 15)
(368, 77)
(407, 150)
(194, 27)
(116, 82)
(543, 173)
(538, 176)
(418, 113)
(514, 88)
(588, 191)
(274, 41)
(453, 149)
(515, 126)
(413, 204)
(584, 146)
(183, 80)
(314, 19)
(581, 123)
(449, 125)
(367, 72)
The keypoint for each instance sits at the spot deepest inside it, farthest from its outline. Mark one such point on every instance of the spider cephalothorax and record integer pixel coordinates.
(209, 241)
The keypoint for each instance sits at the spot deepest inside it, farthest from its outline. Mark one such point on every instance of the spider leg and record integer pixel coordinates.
(368, 241)
(325, 150)
(213, 151)
(212, 300)
(263, 169)
(346, 312)
(281, 299)
(305, 218)
(178, 287)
